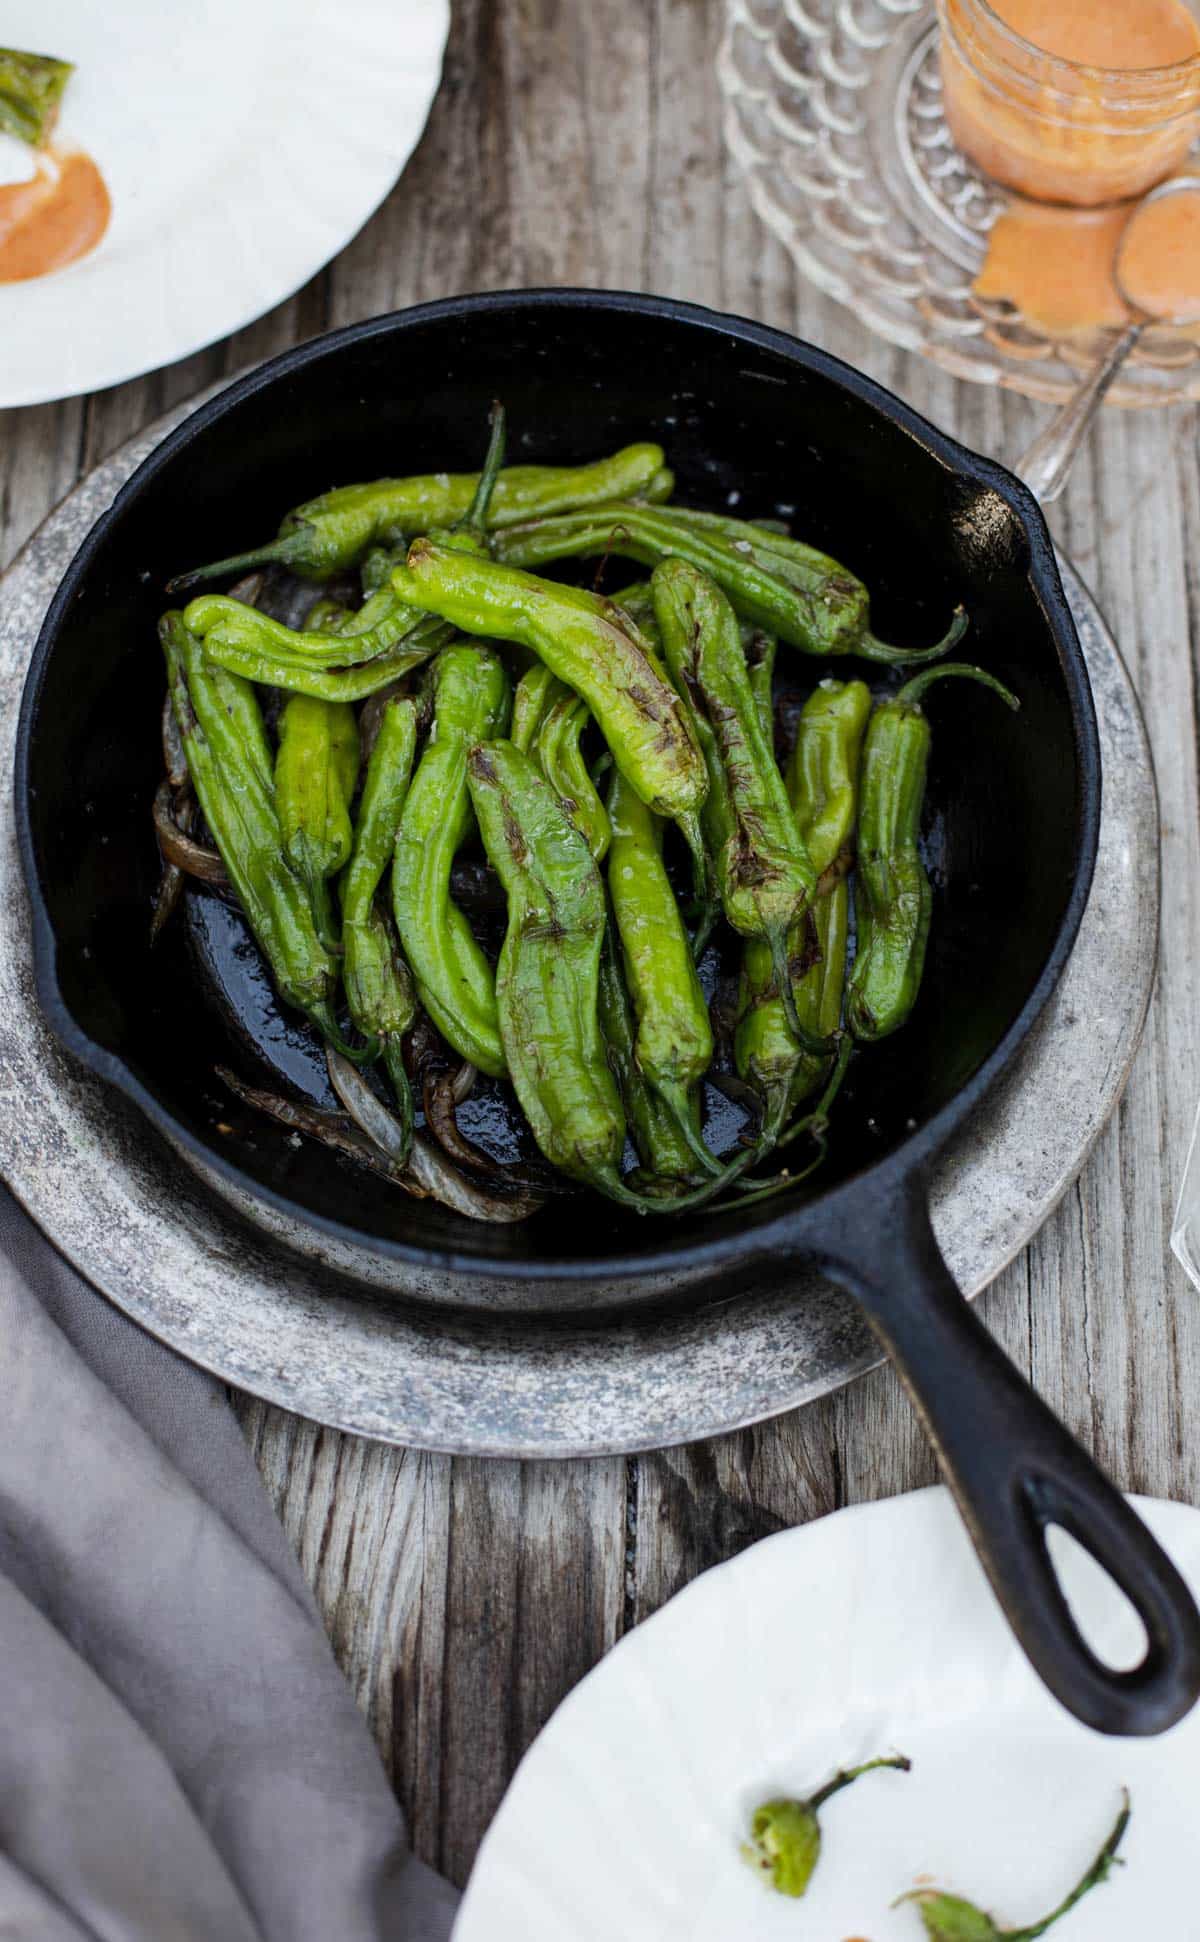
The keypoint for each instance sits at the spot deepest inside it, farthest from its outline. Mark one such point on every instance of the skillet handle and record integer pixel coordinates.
(1014, 1470)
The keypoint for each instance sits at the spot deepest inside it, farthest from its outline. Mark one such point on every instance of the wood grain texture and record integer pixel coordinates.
(580, 143)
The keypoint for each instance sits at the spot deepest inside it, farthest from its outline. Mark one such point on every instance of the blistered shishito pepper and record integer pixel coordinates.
(661, 1146)
(893, 898)
(759, 649)
(535, 694)
(470, 695)
(561, 760)
(547, 980)
(950, 1918)
(823, 789)
(593, 647)
(229, 762)
(332, 533)
(764, 873)
(379, 986)
(316, 768)
(785, 1834)
(674, 1046)
(31, 89)
(803, 596)
(230, 629)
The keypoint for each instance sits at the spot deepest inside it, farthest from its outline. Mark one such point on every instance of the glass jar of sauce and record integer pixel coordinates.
(1076, 101)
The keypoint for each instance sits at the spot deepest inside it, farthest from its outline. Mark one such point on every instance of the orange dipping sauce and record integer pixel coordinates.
(1056, 265)
(1160, 256)
(52, 220)
(1079, 101)
(1136, 34)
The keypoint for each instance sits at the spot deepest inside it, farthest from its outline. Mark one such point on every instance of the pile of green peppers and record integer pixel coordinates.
(613, 757)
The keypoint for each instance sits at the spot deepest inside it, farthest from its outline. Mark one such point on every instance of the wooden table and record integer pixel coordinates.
(578, 142)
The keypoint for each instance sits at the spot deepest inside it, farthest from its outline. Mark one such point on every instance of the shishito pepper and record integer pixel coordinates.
(662, 1149)
(593, 647)
(31, 89)
(949, 1918)
(791, 590)
(547, 980)
(561, 759)
(235, 635)
(379, 986)
(316, 769)
(333, 532)
(535, 695)
(229, 762)
(674, 1044)
(470, 695)
(785, 1834)
(823, 790)
(764, 873)
(894, 899)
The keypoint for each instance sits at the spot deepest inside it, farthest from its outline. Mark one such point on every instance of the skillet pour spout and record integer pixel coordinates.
(749, 418)
(1015, 1473)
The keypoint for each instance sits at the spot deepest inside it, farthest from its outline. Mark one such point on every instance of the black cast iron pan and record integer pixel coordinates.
(749, 417)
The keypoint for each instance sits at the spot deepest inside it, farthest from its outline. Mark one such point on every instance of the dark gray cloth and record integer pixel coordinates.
(180, 1759)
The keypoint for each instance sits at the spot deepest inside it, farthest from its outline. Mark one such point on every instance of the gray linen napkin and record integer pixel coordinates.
(180, 1760)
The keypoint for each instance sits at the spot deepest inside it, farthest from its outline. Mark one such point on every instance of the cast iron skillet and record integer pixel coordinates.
(749, 416)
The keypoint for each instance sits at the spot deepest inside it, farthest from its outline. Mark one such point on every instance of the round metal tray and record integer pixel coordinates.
(279, 1316)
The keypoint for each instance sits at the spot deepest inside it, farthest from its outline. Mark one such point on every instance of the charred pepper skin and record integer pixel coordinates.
(674, 1044)
(592, 646)
(229, 762)
(894, 898)
(235, 634)
(547, 980)
(822, 784)
(561, 760)
(805, 598)
(764, 873)
(379, 985)
(470, 694)
(335, 531)
(661, 1147)
(316, 769)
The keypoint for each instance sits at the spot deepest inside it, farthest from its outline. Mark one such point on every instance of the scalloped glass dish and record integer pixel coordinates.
(833, 108)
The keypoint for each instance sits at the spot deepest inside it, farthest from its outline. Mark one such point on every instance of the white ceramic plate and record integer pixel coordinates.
(244, 143)
(870, 1631)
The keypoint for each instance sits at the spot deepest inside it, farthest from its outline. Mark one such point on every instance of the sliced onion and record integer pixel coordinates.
(331, 1129)
(180, 849)
(426, 1165)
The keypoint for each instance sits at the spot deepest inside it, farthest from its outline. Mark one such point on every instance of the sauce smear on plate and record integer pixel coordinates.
(52, 220)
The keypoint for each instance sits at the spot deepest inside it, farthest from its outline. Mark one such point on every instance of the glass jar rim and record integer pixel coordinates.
(1170, 70)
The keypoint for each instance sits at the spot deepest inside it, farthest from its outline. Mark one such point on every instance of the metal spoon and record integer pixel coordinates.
(1049, 459)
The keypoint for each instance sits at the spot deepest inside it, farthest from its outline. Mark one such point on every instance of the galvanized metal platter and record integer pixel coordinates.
(271, 1309)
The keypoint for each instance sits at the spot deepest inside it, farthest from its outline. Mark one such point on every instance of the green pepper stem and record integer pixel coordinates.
(320, 897)
(777, 940)
(1098, 1872)
(872, 649)
(278, 552)
(676, 1099)
(475, 519)
(898, 1761)
(393, 1059)
(325, 1022)
(912, 693)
